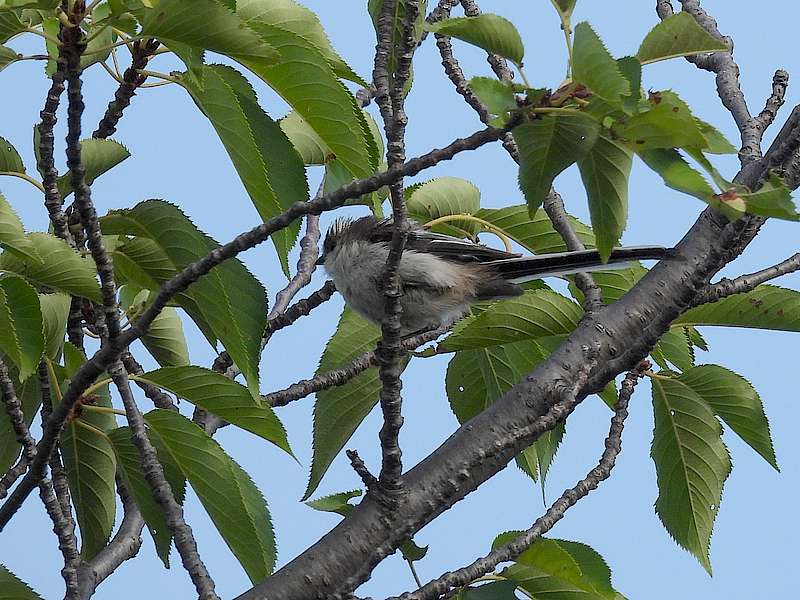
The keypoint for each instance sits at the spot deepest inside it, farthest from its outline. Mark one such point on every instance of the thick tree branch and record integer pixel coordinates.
(511, 550)
(93, 367)
(747, 283)
(131, 80)
(162, 492)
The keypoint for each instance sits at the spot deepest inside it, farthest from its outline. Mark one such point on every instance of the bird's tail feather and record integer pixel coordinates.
(520, 270)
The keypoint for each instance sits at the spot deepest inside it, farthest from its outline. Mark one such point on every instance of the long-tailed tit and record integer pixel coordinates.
(440, 275)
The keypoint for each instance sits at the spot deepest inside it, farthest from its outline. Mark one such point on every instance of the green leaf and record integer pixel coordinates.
(101, 37)
(128, 459)
(692, 465)
(605, 172)
(491, 32)
(716, 143)
(176, 21)
(338, 411)
(7, 56)
(142, 262)
(10, 160)
(675, 347)
(593, 66)
(445, 196)
(64, 268)
(411, 551)
(304, 23)
(677, 173)
(11, 587)
(565, 7)
(165, 341)
(303, 77)
(90, 465)
(55, 312)
(306, 141)
(549, 145)
(669, 123)
(535, 314)
(772, 199)
(572, 563)
(270, 169)
(10, 25)
(336, 503)
(613, 284)
(222, 396)
(476, 378)
(677, 35)
(631, 70)
(497, 96)
(21, 330)
(12, 234)
(231, 300)
(497, 590)
(225, 490)
(42, 4)
(536, 459)
(736, 402)
(29, 396)
(98, 156)
(766, 307)
(534, 233)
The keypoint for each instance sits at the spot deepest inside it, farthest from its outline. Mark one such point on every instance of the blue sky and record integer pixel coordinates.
(176, 156)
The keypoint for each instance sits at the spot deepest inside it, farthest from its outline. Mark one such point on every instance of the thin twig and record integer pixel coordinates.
(342, 375)
(747, 283)
(512, 549)
(107, 354)
(306, 264)
(497, 62)
(368, 479)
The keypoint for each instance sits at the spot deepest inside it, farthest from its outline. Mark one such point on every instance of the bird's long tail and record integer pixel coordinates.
(520, 270)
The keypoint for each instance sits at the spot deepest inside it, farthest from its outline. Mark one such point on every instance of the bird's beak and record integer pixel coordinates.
(320, 260)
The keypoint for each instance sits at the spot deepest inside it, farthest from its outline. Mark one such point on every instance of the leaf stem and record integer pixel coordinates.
(158, 75)
(414, 572)
(96, 386)
(26, 177)
(50, 38)
(468, 217)
(52, 372)
(103, 409)
(92, 428)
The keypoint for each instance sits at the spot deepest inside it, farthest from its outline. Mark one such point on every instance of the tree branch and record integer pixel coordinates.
(340, 376)
(131, 80)
(162, 492)
(747, 283)
(62, 526)
(123, 546)
(72, 47)
(511, 550)
(46, 154)
(497, 62)
(306, 264)
(390, 97)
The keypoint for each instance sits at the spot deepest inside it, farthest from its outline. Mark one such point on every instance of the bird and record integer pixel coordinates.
(441, 276)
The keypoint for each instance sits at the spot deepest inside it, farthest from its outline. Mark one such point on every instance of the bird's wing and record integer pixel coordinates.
(441, 245)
